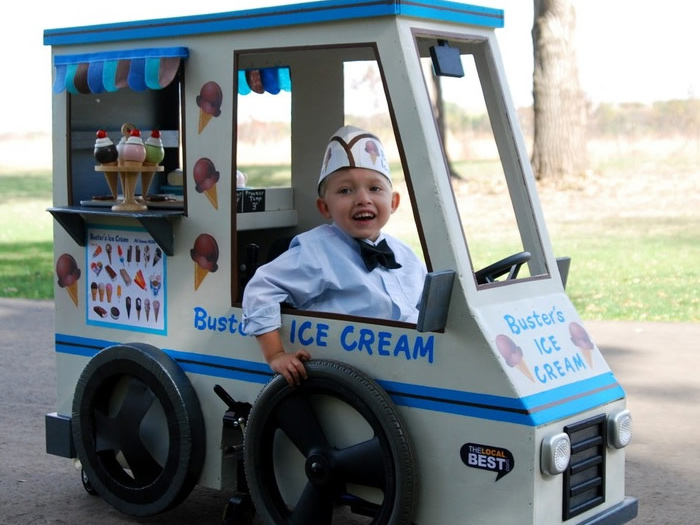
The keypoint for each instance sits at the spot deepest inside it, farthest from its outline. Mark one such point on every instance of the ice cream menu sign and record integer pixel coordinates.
(126, 276)
(542, 342)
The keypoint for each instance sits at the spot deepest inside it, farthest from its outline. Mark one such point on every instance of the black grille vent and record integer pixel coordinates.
(584, 480)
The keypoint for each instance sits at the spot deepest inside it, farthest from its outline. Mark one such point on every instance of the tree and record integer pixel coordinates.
(560, 109)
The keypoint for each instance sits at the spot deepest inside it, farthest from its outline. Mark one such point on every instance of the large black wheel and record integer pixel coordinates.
(336, 441)
(138, 429)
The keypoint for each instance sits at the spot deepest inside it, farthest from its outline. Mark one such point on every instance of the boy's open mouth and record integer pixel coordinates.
(364, 216)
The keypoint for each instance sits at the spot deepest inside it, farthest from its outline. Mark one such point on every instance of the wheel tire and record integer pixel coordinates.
(384, 461)
(86, 483)
(138, 429)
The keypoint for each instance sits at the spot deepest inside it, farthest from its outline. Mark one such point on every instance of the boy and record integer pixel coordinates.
(325, 269)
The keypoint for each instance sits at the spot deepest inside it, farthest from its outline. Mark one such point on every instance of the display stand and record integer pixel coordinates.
(129, 177)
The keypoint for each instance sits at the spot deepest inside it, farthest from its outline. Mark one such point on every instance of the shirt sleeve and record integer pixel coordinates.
(290, 278)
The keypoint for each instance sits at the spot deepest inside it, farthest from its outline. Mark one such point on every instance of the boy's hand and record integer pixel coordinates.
(291, 366)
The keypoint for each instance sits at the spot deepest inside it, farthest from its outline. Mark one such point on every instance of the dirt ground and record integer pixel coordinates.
(655, 362)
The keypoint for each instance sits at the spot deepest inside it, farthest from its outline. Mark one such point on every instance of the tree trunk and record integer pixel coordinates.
(560, 108)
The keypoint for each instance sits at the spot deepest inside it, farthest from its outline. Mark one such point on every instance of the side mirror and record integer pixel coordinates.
(435, 301)
(446, 60)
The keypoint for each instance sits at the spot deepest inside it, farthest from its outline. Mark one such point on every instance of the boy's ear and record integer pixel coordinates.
(322, 206)
(395, 200)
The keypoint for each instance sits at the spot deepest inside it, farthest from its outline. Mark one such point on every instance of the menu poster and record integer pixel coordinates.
(126, 283)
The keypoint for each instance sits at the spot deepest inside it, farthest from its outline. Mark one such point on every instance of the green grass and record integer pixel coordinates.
(26, 244)
(643, 269)
(634, 269)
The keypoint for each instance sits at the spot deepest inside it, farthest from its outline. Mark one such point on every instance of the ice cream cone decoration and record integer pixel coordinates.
(68, 274)
(209, 103)
(580, 338)
(205, 177)
(212, 195)
(513, 355)
(205, 254)
(204, 119)
(199, 275)
(522, 366)
(72, 290)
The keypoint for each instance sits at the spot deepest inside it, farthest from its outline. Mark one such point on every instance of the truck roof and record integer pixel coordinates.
(277, 16)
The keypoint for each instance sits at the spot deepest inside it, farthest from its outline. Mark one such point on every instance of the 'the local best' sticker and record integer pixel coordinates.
(486, 457)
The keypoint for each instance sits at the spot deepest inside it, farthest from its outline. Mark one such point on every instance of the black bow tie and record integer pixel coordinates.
(379, 254)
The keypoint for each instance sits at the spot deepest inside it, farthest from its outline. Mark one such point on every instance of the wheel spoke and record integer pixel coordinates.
(297, 419)
(121, 432)
(315, 506)
(362, 464)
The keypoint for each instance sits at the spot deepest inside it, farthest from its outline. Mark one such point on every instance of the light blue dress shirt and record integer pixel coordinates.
(323, 271)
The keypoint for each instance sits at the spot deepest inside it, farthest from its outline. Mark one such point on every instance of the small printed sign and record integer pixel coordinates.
(126, 283)
(250, 201)
(487, 457)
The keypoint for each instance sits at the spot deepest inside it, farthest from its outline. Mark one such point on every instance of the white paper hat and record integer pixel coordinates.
(352, 147)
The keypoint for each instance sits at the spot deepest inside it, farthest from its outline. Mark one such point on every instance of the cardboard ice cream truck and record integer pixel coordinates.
(170, 190)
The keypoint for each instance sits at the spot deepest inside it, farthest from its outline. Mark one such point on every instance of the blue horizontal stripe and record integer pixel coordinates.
(278, 16)
(534, 410)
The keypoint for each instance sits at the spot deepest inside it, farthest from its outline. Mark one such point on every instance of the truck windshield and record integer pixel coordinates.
(481, 153)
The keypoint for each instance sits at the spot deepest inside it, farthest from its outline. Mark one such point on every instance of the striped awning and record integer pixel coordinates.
(137, 69)
(265, 80)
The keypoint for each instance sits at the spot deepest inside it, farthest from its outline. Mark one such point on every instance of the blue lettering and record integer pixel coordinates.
(366, 340)
(512, 324)
(402, 347)
(422, 349)
(348, 330)
(293, 331)
(322, 334)
(199, 318)
(384, 341)
(204, 321)
(305, 341)
(578, 361)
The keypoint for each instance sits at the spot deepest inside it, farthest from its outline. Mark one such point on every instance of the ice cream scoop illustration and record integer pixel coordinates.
(580, 338)
(205, 255)
(209, 102)
(373, 150)
(205, 177)
(513, 355)
(68, 273)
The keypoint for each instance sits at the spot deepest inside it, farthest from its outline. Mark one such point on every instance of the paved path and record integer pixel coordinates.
(658, 364)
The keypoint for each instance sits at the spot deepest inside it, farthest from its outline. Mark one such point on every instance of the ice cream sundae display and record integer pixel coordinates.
(134, 281)
(68, 274)
(513, 355)
(205, 178)
(205, 254)
(129, 159)
(209, 103)
(106, 154)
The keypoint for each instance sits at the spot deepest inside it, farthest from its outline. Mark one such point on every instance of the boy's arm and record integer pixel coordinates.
(291, 366)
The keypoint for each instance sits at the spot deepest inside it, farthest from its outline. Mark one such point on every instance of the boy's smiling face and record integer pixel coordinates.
(359, 201)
